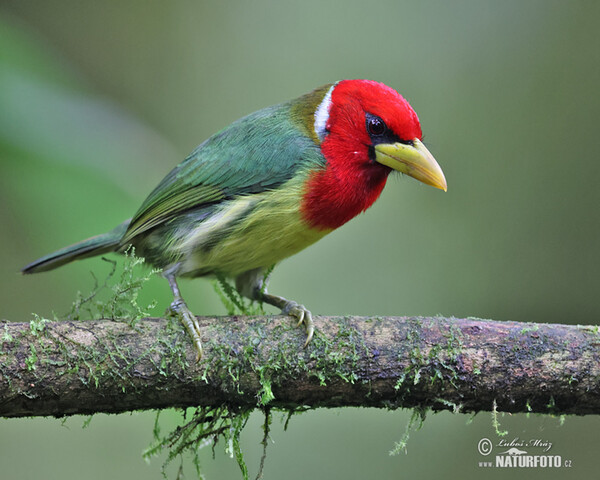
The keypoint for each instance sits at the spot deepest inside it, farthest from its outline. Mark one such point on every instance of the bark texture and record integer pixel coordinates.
(84, 367)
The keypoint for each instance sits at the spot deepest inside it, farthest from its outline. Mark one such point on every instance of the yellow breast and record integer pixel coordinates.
(249, 232)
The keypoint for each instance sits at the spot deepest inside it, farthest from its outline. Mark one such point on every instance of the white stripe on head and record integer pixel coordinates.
(322, 115)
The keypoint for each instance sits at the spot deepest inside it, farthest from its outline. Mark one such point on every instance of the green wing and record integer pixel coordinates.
(256, 153)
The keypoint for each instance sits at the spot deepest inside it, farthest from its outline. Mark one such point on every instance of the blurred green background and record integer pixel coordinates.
(99, 100)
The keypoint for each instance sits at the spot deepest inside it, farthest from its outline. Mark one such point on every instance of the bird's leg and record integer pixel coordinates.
(189, 320)
(289, 307)
(253, 284)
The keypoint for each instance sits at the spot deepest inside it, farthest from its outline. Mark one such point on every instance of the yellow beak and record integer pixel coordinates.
(413, 160)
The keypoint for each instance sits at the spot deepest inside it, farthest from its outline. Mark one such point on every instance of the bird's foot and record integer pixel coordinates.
(304, 317)
(253, 283)
(190, 322)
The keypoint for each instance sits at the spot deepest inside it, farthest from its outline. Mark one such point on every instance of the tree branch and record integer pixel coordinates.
(84, 367)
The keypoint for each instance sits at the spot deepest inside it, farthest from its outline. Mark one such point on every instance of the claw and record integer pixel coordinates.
(300, 318)
(310, 329)
(304, 317)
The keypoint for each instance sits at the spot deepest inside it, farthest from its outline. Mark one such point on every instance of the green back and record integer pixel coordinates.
(256, 153)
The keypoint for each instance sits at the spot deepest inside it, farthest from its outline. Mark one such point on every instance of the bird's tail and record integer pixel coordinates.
(107, 242)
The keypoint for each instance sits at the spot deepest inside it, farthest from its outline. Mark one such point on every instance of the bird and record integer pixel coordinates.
(267, 186)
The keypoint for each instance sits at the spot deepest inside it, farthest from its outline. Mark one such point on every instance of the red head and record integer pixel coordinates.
(366, 129)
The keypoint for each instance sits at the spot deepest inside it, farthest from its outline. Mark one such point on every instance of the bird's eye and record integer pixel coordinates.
(375, 125)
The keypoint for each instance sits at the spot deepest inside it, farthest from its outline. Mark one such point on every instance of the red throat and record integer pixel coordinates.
(341, 191)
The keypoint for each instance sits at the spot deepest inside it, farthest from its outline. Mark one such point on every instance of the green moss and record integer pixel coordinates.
(496, 422)
(207, 424)
(595, 329)
(529, 328)
(37, 325)
(6, 336)
(31, 360)
(412, 371)
(438, 363)
(417, 418)
(231, 299)
(337, 358)
(116, 297)
(456, 407)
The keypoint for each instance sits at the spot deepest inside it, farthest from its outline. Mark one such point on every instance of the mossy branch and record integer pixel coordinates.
(468, 365)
